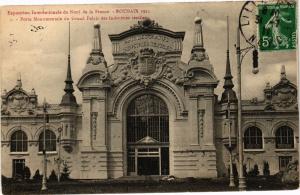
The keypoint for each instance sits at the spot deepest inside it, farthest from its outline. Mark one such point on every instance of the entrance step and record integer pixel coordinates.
(141, 178)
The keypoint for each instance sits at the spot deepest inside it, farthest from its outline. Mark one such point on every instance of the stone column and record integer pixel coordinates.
(208, 134)
(193, 120)
(100, 105)
(86, 125)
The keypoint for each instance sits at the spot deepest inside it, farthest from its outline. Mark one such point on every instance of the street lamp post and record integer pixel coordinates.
(247, 23)
(44, 182)
(58, 160)
(230, 147)
(240, 57)
(242, 181)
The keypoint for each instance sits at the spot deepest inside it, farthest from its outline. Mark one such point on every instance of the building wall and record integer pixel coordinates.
(33, 157)
(268, 123)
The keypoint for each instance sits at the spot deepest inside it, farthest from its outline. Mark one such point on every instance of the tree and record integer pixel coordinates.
(37, 176)
(53, 176)
(27, 173)
(254, 171)
(266, 169)
(65, 172)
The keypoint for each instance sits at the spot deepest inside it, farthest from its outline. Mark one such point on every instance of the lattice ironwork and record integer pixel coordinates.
(19, 142)
(50, 138)
(147, 115)
(253, 138)
(284, 137)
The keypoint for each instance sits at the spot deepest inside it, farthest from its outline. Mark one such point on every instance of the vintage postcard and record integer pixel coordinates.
(151, 97)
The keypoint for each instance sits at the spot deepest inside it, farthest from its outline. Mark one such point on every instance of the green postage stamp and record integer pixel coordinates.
(277, 27)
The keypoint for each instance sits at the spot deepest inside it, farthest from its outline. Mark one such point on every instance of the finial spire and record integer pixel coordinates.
(45, 104)
(97, 56)
(69, 43)
(19, 81)
(69, 75)
(283, 73)
(228, 94)
(69, 98)
(97, 38)
(228, 77)
(227, 33)
(198, 34)
(199, 57)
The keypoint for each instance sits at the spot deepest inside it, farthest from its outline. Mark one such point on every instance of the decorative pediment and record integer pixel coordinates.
(283, 95)
(145, 53)
(94, 78)
(18, 101)
(146, 34)
(148, 140)
(200, 76)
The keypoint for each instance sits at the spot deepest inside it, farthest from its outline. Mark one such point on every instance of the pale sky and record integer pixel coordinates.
(41, 57)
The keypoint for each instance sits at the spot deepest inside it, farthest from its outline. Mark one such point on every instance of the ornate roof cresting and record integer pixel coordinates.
(281, 96)
(17, 101)
(146, 23)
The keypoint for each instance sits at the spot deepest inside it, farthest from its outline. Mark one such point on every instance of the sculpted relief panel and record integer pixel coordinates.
(147, 52)
(18, 102)
(146, 66)
(281, 96)
(285, 97)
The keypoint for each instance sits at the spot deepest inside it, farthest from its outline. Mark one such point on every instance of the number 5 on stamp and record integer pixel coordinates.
(277, 28)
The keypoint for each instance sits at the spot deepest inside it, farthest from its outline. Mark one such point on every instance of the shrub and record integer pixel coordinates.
(254, 171)
(65, 173)
(27, 173)
(266, 169)
(37, 176)
(53, 176)
(4, 179)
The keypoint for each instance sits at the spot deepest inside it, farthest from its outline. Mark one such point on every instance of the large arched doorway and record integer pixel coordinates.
(147, 136)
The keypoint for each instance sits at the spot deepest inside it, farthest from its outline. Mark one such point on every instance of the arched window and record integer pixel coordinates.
(19, 142)
(253, 138)
(147, 115)
(50, 141)
(284, 137)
